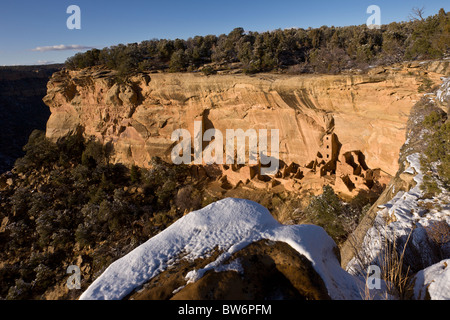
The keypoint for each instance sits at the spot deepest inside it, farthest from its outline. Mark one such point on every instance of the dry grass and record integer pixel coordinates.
(393, 271)
(288, 215)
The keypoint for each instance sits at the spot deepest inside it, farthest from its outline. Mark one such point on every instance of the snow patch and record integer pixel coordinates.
(228, 226)
(443, 93)
(235, 265)
(408, 220)
(402, 211)
(435, 281)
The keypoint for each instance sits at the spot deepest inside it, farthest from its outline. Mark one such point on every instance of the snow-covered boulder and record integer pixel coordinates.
(224, 227)
(433, 282)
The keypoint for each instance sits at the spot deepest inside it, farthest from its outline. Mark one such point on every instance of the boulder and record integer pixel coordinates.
(264, 270)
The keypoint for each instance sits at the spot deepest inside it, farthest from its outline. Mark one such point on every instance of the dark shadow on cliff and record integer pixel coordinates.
(21, 108)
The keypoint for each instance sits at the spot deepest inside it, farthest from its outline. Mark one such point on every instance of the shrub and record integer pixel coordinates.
(325, 211)
(135, 174)
(19, 235)
(439, 233)
(81, 174)
(430, 186)
(390, 258)
(20, 291)
(71, 148)
(208, 70)
(62, 238)
(45, 227)
(38, 203)
(178, 61)
(188, 199)
(8, 274)
(45, 277)
(165, 193)
(20, 202)
(114, 213)
(437, 151)
(425, 86)
(39, 152)
(90, 226)
(393, 269)
(112, 174)
(93, 154)
(84, 236)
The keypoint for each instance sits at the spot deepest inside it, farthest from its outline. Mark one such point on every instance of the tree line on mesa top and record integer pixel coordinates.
(320, 50)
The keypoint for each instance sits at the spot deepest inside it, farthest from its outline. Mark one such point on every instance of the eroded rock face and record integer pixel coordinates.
(263, 270)
(367, 112)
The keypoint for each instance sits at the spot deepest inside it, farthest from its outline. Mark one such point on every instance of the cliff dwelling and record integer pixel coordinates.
(346, 172)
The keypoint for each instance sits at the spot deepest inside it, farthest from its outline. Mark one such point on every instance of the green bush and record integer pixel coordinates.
(20, 202)
(45, 227)
(39, 152)
(425, 85)
(135, 174)
(19, 235)
(430, 186)
(20, 291)
(93, 154)
(62, 239)
(115, 213)
(324, 49)
(8, 274)
(437, 151)
(81, 203)
(71, 148)
(208, 70)
(44, 277)
(84, 236)
(166, 193)
(81, 174)
(430, 37)
(325, 210)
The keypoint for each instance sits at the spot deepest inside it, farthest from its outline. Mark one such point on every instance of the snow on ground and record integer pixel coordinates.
(436, 279)
(229, 225)
(443, 93)
(402, 210)
(408, 220)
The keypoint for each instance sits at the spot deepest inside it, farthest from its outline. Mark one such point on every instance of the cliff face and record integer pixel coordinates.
(367, 112)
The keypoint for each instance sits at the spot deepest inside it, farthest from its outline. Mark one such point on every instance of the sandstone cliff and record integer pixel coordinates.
(367, 112)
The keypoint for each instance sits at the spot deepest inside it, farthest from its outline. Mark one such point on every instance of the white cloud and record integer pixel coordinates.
(62, 47)
(43, 62)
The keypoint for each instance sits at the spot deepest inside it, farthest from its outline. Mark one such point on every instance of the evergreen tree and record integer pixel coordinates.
(324, 49)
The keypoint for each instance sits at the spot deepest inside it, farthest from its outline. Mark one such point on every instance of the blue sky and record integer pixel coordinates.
(26, 26)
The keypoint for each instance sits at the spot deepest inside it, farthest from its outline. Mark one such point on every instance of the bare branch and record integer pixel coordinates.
(417, 14)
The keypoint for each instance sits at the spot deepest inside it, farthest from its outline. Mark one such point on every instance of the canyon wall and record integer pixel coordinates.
(21, 108)
(367, 112)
